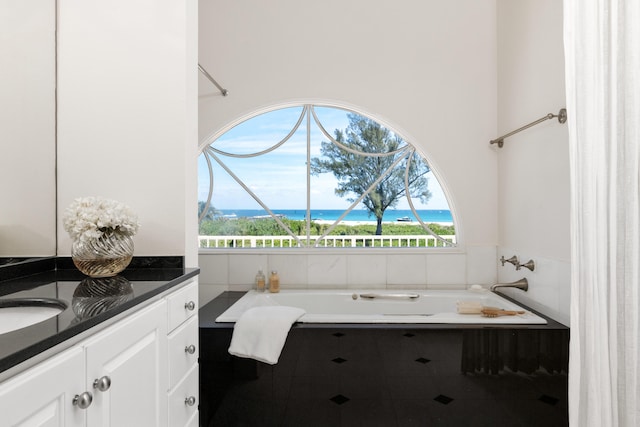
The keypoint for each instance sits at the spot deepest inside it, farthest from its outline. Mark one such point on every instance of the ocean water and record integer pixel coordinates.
(430, 215)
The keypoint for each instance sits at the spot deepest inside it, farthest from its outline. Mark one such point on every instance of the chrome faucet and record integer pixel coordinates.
(513, 260)
(520, 284)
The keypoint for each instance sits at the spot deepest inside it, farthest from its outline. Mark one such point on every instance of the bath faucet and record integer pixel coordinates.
(520, 284)
(529, 264)
(513, 260)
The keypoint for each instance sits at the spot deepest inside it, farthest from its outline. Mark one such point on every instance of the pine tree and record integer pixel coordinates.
(372, 152)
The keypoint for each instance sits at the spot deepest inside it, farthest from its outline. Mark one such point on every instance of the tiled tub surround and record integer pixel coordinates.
(353, 268)
(387, 375)
(144, 279)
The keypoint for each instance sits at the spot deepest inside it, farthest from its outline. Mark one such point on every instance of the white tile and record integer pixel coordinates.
(549, 284)
(240, 288)
(564, 293)
(292, 269)
(243, 269)
(214, 269)
(446, 269)
(406, 270)
(482, 265)
(327, 271)
(406, 287)
(366, 271)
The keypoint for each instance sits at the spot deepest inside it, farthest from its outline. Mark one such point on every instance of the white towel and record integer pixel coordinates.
(260, 332)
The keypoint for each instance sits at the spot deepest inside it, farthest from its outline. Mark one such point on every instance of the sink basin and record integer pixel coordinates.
(19, 313)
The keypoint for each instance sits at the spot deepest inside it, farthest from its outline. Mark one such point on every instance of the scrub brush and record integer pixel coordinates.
(495, 312)
(476, 307)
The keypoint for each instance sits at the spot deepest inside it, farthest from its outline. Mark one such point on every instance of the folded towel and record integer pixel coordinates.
(260, 332)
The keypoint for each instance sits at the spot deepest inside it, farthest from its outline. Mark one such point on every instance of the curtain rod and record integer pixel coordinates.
(562, 117)
(222, 90)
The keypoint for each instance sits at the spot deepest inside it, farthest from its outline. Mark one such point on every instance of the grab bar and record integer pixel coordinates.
(562, 117)
(390, 296)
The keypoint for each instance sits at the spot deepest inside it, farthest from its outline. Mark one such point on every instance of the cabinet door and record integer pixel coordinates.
(43, 395)
(131, 359)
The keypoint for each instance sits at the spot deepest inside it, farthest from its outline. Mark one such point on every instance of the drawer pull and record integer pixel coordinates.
(191, 349)
(102, 384)
(83, 401)
(190, 401)
(190, 306)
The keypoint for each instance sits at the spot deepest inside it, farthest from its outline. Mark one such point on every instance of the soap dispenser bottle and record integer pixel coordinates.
(274, 282)
(260, 281)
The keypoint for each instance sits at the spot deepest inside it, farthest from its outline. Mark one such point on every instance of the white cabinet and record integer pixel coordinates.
(183, 352)
(43, 395)
(181, 411)
(128, 361)
(141, 371)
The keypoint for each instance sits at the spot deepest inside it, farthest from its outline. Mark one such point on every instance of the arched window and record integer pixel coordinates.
(318, 176)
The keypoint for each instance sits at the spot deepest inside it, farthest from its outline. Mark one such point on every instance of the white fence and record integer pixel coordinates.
(413, 241)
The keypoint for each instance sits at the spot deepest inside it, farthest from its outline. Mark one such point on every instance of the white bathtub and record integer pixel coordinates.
(386, 306)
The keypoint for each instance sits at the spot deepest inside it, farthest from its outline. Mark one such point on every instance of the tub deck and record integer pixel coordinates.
(383, 306)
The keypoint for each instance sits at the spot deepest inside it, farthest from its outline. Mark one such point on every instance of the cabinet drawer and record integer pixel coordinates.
(182, 305)
(181, 342)
(181, 413)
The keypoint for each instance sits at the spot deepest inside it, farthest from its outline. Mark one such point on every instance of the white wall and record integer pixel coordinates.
(427, 69)
(430, 70)
(534, 164)
(127, 127)
(27, 128)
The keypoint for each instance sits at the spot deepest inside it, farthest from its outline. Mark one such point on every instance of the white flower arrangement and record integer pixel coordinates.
(90, 218)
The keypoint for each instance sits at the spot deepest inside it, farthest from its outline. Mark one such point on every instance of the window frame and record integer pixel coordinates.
(455, 247)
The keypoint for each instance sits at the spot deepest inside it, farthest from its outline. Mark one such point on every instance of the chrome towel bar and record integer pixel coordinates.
(204, 72)
(562, 118)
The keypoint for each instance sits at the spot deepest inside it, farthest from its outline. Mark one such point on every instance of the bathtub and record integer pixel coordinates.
(382, 306)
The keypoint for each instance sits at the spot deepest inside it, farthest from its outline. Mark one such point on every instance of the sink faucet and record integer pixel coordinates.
(520, 284)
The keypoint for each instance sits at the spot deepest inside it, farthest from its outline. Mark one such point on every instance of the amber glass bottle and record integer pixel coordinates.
(274, 282)
(260, 281)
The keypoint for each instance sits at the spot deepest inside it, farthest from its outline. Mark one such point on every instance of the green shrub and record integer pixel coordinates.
(269, 227)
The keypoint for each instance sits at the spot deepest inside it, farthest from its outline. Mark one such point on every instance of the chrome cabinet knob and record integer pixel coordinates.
(190, 401)
(191, 349)
(190, 306)
(102, 384)
(83, 400)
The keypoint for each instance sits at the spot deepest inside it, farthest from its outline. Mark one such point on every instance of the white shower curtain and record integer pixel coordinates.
(602, 51)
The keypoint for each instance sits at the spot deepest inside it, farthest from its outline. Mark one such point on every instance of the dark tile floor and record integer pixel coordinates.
(387, 378)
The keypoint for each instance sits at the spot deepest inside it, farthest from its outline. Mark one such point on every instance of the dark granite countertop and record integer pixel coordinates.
(89, 301)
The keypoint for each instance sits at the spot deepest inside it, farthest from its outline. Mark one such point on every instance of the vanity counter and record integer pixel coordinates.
(90, 303)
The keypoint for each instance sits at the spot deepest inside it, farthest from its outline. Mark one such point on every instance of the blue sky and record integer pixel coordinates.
(279, 178)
